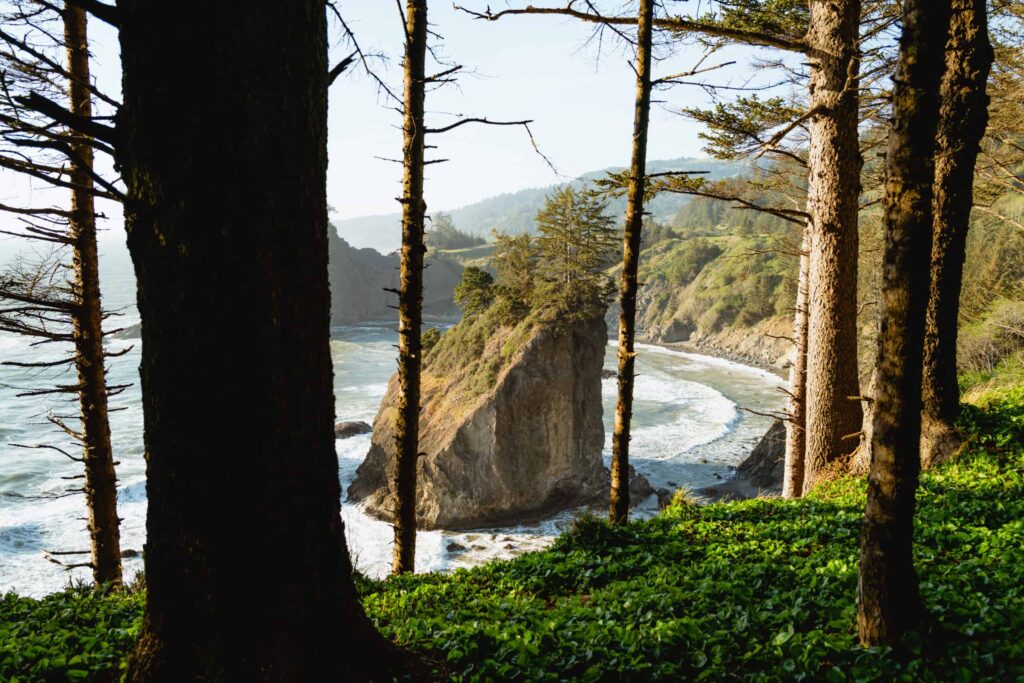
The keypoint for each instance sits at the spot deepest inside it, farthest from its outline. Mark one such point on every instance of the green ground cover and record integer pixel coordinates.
(761, 590)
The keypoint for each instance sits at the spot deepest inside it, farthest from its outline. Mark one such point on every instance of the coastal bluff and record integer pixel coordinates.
(361, 279)
(511, 426)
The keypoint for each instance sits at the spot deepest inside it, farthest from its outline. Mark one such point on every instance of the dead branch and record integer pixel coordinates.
(677, 24)
(43, 446)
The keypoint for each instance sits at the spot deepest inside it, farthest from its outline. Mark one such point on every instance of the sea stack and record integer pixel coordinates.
(511, 426)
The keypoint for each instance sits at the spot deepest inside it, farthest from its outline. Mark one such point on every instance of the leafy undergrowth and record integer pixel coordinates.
(761, 590)
(76, 635)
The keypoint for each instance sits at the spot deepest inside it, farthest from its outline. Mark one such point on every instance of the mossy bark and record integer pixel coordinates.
(410, 298)
(87, 319)
(889, 602)
(618, 508)
(962, 121)
(834, 166)
(223, 151)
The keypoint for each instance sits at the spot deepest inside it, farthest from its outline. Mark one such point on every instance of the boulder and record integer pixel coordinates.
(346, 430)
(513, 434)
(765, 466)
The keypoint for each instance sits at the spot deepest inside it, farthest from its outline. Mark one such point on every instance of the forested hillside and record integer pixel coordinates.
(514, 212)
(724, 278)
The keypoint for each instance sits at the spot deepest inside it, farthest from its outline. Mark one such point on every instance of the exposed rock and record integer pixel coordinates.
(765, 466)
(129, 553)
(639, 487)
(759, 474)
(765, 343)
(664, 498)
(527, 445)
(359, 278)
(346, 430)
(455, 547)
(608, 374)
(130, 332)
(675, 331)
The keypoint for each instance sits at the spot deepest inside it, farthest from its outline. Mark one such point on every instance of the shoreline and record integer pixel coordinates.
(718, 352)
(738, 486)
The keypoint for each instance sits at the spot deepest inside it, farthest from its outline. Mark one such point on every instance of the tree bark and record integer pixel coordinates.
(618, 507)
(87, 320)
(793, 473)
(889, 603)
(224, 130)
(834, 165)
(410, 300)
(962, 121)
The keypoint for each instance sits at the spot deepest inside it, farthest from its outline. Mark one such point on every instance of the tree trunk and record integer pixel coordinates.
(87, 318)
(410, 300)
(618, 508)
(962, 121)
(834, 165)
(888, 602)
(793, 473)
(223, 150)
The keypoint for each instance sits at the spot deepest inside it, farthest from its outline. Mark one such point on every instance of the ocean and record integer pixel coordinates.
(689, 429)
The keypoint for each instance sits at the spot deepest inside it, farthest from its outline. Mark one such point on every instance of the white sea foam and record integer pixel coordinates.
(686, 411)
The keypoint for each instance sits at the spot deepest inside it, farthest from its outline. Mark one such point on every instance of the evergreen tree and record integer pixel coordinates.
(576, 243)
(45, 141)
(514, 260)
(889, 602)
(475, 291)
(218, 255)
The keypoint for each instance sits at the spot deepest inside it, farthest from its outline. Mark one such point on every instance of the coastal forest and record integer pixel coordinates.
(753, 414)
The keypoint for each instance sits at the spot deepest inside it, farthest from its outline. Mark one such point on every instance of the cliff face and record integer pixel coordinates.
(359, 277)
(512, 435)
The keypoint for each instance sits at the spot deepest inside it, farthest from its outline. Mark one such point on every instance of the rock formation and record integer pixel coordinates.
(346, 430)
(359, 278)
(511, 429)
(759, 474)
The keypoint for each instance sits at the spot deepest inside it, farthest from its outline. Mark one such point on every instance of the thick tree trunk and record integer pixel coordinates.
(834, 165)
(962, 121)
(410, 300)
(888, 602)
(223, 130)
(618, 508)
(793, 473)
(87, 317)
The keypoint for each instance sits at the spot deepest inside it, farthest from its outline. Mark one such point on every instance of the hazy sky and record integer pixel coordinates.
(526, 67)
(540, 68)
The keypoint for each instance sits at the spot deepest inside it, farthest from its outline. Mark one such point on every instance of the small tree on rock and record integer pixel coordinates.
(475, 291)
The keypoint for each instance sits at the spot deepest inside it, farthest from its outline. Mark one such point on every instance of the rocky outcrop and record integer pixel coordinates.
(765, 466)
(346, 430)
(765, 343)
(528, 444)
(759, 474)
(359, 278)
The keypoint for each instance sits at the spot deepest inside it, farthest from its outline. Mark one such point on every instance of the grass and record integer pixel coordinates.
(761, 590)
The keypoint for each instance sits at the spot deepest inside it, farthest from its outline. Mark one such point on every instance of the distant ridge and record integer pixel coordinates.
(513, 212)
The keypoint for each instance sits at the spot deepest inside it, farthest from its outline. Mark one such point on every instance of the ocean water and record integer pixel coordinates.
(689, 429)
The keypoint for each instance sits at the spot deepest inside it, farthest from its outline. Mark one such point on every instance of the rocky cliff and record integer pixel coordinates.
(511, 426)
(359, 278)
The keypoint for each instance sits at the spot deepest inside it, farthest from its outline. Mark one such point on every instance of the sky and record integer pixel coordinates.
(578, 94)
